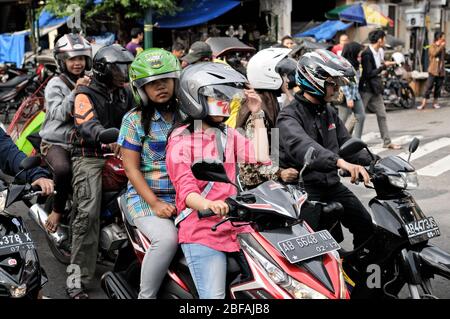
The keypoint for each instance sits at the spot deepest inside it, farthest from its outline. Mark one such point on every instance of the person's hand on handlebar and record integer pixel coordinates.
(354, 170)
(47, 186)
(219, 207)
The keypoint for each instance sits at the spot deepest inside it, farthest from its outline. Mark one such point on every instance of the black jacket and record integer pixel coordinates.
(10, 158)
(303, 124)
(97, 108)
(370, 78)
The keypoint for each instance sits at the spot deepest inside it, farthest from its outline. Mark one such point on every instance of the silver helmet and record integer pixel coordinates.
(208, 88)
(69, 46)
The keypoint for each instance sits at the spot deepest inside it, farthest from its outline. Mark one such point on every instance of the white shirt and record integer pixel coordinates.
(378, 55)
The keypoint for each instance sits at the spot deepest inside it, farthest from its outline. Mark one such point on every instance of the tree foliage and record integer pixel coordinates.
(123, 14)
(132, 9)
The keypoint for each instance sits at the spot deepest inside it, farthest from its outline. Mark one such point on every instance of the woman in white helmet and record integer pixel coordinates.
(267, 72)
(73, 55)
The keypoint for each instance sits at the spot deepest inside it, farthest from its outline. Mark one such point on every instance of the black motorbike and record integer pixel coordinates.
(112, 232)
(21, 275)
(397, 92)
(398, 249)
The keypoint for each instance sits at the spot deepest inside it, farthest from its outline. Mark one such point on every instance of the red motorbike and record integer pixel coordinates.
(281, 258)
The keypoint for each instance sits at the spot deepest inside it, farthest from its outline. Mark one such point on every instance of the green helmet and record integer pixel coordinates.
(151, 65)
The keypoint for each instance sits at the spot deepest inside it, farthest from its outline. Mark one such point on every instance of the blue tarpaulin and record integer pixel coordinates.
(324, 31)
(107, 38)
(12, 48)
(46, 19)
(196, 12)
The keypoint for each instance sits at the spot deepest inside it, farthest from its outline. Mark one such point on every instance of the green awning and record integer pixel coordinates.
(334, 14)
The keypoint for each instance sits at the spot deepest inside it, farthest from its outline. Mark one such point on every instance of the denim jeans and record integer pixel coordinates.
(359, 113)
(208, 268)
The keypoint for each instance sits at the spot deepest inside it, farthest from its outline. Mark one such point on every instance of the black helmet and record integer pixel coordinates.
(317, 67)
(207, 89)
(288, 67)
(111, 64)
(69, 46)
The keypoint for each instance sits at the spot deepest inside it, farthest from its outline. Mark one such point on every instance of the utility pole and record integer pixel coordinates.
(148, 29)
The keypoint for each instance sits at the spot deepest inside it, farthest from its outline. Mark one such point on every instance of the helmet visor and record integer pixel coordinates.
(340, 80)
(219, 98)
(119, 73)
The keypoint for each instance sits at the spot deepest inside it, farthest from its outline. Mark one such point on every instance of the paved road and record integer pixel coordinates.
(432, 161)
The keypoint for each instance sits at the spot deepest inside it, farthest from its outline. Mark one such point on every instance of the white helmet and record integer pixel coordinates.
(398, 58)
(261, 69)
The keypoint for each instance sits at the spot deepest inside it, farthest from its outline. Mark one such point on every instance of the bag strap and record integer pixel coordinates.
(186, 212)
(66, 81)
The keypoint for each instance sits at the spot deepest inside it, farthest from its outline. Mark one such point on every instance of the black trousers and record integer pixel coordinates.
(58, 159)
(436, 82)
(354, 216)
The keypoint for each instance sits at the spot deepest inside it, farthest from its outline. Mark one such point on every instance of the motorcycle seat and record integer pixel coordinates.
(14, 82)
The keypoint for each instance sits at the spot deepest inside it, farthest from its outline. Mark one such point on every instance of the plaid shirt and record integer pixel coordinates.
(351, 92)
(153, 159)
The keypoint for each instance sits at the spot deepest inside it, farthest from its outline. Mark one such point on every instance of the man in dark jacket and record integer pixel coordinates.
(97, 107)
(309, 121)
(370, 84)
(10, 158)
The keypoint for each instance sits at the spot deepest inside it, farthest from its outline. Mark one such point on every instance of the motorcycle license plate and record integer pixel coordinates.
(422, 230)
(14, 243)
(308, 246)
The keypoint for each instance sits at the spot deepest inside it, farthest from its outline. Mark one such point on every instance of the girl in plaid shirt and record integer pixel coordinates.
(150, 195)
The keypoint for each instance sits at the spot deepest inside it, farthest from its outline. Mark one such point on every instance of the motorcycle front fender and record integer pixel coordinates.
(435, 261)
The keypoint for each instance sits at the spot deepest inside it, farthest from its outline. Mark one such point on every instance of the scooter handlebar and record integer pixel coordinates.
(205, 213)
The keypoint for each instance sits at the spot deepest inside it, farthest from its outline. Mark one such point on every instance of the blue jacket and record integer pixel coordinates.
(10, 158)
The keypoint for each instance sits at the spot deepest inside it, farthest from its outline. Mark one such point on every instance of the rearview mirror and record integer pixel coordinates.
(414, 145)
(211, 170)
(351, 147)
(109, 136)
(30, 162)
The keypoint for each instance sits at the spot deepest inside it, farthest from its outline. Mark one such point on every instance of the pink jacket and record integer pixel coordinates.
(182, 150)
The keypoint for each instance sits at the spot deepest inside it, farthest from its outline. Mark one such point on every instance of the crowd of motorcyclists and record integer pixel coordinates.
(172, 113)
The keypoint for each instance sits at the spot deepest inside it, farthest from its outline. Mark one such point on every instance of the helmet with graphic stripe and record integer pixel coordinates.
(316, 68)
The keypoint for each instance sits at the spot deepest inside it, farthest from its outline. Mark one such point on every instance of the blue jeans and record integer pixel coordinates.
(208, 268)
(360, 116)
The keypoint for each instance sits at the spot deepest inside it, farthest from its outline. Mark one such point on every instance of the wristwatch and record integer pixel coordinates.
(258, 115)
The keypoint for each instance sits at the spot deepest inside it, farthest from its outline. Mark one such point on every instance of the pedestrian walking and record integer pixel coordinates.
(371, 86)
(436, 70)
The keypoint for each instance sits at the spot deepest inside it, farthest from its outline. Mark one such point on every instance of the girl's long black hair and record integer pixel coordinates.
(148, 112)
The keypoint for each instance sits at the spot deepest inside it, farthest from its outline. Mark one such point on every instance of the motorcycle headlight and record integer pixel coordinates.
(292, 286)
(397, 181)
(411, 178)
(406, 180)
(3, 197)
